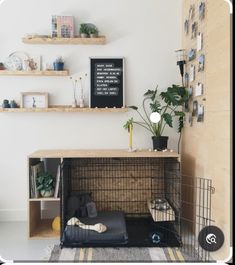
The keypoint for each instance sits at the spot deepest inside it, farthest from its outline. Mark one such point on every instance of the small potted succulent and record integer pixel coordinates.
(84, 30)
(93, 32)
(58, 64)
(45, 184)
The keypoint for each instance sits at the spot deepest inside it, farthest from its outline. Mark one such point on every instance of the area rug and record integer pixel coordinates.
(116, 255)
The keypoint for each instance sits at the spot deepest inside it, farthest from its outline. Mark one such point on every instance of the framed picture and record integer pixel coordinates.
(34, 100)
(107, 82)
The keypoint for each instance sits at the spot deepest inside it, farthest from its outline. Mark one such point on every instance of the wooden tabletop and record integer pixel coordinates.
(100, 153)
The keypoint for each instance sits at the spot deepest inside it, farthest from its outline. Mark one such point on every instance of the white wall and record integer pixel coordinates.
(145, 32)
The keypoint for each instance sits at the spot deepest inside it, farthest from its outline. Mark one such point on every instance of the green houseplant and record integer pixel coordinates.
(93, 32)
(169, 105)
(45, 184)
(84, 30)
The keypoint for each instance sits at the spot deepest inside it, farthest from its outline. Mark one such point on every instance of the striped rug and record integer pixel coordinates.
(116, 254)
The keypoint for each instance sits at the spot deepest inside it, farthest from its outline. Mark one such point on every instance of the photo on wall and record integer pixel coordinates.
(200, 113)
(195, 108)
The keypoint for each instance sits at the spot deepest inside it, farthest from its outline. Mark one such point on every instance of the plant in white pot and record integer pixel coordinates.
(167, 106)
(45, 184)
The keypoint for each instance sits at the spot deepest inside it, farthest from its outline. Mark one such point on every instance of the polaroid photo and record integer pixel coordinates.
(201, 10)
(190, 92)
(199, 41)
(200, 113)
(195, 108)
(201, 63)
(191, 54)
(194, 30)
(186, 27)
(199, 90)
(192, 73)
(191, 12)
(186, 79)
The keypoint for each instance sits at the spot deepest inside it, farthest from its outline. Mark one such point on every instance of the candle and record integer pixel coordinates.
(130, 134)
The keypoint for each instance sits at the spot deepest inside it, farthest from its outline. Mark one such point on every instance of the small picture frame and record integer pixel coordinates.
(31, 100)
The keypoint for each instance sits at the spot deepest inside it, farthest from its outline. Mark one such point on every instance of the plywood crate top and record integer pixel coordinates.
(101, 153)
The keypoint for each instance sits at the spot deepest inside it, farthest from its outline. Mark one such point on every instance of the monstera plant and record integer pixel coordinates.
(168, 106)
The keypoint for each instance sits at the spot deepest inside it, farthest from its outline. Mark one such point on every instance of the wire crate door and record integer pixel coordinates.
(196, 200)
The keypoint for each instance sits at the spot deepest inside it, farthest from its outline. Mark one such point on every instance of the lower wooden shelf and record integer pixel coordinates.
(44, 230)
(61, 108)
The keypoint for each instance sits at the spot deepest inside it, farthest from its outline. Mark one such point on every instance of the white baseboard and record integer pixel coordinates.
(11, 215)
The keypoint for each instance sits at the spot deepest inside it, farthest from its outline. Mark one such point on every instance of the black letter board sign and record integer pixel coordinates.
(107, 82)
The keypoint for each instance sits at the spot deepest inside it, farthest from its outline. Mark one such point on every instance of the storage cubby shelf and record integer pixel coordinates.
(101, 40)
(62, 109)
(44, 230)
(34, 73)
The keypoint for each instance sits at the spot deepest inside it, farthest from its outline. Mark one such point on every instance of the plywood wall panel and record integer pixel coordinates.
(206, 146)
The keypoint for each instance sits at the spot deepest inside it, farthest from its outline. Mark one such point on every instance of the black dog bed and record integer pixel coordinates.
(116, 231)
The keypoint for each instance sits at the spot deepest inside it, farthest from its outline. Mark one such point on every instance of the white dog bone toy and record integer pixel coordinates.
(100, 228)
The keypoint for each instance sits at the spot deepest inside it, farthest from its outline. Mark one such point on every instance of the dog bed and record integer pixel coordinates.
(116, 230)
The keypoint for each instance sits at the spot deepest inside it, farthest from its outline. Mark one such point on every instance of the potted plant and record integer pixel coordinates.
(168, 108)
(58, 64)
(84, 30)
(93, 32)
(45, 184)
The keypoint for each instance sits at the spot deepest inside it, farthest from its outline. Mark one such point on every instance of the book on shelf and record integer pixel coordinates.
(57, 184)
(35, 170)
(62, 26)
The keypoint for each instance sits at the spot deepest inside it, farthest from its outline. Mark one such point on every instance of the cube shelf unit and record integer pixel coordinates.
(40, 223)
(101, 40)
(41, 228)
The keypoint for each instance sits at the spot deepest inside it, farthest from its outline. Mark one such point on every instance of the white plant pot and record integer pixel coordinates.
(47, 194)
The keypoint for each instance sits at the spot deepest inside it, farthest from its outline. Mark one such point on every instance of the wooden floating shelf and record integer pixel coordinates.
(34, 73)
(44, 199)
(101, 40)
(62, 109)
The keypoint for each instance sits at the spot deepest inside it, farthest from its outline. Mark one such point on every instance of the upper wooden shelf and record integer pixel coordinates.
(62, 109)
(34, 73)
(101, 40)
(100, 153)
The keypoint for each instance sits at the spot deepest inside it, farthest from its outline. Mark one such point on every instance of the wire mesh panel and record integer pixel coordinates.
(132, 186)
(196, 214)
